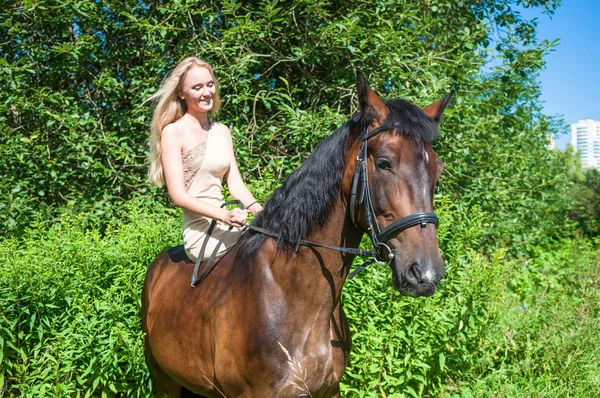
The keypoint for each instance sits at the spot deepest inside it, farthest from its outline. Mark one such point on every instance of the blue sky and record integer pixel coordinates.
(571, 79)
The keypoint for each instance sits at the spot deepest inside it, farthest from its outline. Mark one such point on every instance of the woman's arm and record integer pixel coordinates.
(236, 185)
(172, 164)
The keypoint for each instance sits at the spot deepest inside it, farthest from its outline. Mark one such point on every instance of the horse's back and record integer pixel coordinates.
(175, 256)
(205, 330)
(167, 286)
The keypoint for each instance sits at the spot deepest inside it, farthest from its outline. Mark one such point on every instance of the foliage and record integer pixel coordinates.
(73, 124)
(548, 341)
(587, 198)
(70, 323)
(516, 314)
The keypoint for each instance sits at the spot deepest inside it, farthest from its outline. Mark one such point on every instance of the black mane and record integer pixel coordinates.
(305, 199)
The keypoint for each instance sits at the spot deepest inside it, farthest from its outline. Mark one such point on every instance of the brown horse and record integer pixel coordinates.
(268, 320)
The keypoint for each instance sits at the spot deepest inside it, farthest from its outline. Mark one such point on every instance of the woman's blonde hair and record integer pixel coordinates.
(169, 108)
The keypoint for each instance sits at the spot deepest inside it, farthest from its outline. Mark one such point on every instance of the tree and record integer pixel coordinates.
(586, 196)
(73, 125)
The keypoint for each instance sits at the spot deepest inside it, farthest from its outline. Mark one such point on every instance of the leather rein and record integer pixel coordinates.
(382, 254)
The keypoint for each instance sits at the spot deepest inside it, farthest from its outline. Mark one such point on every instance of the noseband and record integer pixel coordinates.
(383, 254)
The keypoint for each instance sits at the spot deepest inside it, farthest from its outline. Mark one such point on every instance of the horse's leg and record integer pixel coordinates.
(163, 383)
(185, 393)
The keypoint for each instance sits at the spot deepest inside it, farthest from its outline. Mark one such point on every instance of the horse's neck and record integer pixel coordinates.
(318, 274)
(326, 270)
(315, 275)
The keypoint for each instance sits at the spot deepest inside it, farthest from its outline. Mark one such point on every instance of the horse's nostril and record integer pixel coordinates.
(416, 273)
(420, 277)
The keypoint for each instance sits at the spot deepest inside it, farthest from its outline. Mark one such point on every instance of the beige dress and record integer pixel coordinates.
(203, 169)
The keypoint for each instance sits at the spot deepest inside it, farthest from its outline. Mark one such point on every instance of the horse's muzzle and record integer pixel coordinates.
(419, 278)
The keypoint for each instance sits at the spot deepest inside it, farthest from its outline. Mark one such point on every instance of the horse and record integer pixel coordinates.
(267, 321)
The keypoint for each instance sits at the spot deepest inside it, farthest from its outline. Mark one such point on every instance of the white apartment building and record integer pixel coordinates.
(585, 138)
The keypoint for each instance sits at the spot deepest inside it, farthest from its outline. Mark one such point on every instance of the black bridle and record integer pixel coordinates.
(383, 254)
(378, 236)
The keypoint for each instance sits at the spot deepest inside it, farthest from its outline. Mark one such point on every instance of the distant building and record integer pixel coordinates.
(585, 138)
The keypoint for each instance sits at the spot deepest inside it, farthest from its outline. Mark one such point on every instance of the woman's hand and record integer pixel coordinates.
(235, 217)
(254, 208)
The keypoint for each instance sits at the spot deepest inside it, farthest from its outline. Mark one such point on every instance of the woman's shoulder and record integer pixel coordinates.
(172, 134)
(173, 128)
(177, 129)
(221, 128)
(218, 126)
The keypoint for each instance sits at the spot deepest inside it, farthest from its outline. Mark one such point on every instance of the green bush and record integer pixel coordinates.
(547, 341)
(70, 323)
(586, 194)
(70, 299)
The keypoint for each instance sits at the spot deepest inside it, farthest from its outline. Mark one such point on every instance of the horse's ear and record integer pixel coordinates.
(436, 109)
(370, 105)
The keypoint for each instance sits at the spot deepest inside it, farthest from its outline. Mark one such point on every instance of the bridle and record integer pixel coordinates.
(382, 254)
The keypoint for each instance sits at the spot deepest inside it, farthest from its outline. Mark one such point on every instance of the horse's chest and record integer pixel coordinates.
(311, 376)
(314, 368)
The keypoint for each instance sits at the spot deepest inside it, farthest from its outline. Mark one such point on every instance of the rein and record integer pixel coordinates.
(378, 237)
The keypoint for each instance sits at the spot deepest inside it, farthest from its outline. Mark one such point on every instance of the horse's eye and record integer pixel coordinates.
(383, 164)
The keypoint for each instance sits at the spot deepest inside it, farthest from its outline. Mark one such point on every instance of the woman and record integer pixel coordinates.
(192, 153)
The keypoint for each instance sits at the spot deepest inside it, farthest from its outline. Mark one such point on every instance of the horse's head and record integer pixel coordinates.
(402, 170)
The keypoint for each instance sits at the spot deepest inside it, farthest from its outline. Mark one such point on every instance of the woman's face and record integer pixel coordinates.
(199, 89)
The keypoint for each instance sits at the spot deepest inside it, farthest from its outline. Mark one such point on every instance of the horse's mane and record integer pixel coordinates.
(304, 201)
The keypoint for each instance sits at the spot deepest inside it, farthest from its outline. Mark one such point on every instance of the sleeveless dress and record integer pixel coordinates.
(204, 167)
